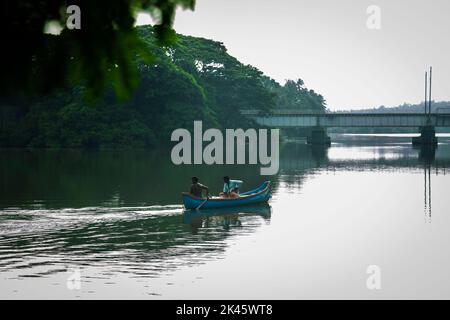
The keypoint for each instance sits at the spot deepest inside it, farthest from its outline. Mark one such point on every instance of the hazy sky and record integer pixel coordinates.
(327, 43)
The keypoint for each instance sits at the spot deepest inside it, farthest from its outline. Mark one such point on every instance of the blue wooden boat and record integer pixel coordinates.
(258, 195)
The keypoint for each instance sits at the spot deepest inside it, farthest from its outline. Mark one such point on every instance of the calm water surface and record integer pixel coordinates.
(109, 224)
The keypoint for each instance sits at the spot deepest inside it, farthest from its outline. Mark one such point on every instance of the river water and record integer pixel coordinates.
(110, 224)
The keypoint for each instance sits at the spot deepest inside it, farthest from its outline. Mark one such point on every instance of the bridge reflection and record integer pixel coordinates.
(298, 160)
(300, 157)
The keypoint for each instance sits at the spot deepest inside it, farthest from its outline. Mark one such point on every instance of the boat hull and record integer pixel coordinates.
(259, 195)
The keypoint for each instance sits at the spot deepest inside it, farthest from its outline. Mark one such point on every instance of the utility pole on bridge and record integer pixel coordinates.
(428, 131)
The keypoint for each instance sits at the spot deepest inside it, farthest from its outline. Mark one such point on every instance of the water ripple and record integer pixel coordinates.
(143, 241)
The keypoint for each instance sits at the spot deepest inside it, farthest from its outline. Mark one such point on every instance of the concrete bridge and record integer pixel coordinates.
(426, 123)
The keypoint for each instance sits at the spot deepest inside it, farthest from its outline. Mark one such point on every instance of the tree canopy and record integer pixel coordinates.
(104, 50)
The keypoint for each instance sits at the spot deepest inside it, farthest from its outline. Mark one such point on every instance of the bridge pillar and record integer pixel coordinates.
(318, 136)
(427, 137)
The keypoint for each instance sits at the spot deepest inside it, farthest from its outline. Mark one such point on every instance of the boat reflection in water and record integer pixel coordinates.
(145, 242)
(225, 217)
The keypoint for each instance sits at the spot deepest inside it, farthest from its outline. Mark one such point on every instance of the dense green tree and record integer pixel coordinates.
(229, 85)
(295, 96)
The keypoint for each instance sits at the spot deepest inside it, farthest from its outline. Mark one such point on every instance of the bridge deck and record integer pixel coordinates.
(282, 119)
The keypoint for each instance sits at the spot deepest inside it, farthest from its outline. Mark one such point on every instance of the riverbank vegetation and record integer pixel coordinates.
(192, 79)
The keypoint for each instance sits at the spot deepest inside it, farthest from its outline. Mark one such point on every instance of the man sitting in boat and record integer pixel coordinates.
(197, 188)
(231, 187)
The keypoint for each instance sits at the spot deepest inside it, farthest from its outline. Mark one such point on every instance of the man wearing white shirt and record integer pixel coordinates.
(231, 187)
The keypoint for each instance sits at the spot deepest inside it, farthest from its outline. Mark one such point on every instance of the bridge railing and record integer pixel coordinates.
(293, 118)
(251, 112)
